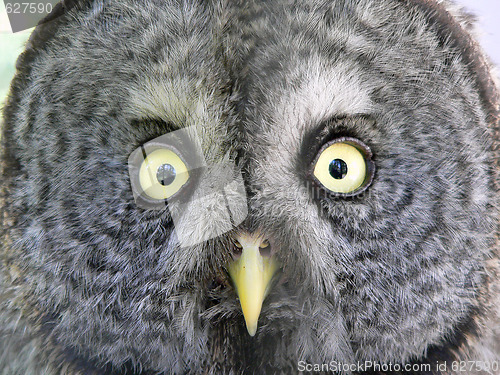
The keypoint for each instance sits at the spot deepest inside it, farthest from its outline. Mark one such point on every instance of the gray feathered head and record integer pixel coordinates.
(249, 186)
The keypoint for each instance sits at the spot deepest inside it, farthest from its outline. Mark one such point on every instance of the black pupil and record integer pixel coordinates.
(338, 169)
(165, 174)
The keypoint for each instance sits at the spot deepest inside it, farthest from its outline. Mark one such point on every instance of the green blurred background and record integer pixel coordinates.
(10, 47)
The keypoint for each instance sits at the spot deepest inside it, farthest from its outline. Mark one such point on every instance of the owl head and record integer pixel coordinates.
(240, 186)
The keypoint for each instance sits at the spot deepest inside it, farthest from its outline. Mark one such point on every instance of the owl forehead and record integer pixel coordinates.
(292, 88)
(299, 73)
(175, 74)
(339, 60)
(313, 93)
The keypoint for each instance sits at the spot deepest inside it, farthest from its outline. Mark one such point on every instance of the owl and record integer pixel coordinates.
(251, 187)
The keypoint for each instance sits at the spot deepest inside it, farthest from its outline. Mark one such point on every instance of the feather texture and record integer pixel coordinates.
(406, 273)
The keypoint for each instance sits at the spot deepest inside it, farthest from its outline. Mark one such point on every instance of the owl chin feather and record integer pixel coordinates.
(261, 258)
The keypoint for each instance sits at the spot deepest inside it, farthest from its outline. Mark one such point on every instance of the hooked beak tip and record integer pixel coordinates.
(251, 275)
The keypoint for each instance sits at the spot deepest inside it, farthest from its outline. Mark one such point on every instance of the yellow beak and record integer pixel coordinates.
(251, 275)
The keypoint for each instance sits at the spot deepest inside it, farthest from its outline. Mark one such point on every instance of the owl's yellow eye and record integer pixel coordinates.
(341, 168)
(162, 174)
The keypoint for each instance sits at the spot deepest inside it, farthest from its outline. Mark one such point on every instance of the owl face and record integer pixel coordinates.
(200, 184)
